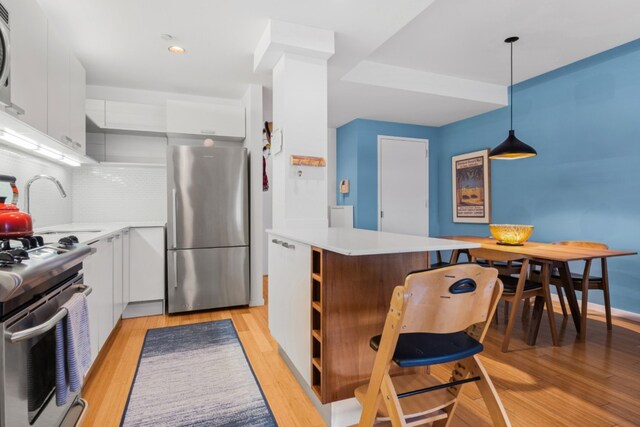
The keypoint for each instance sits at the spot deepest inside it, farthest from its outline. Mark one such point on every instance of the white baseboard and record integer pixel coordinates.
(615, 312)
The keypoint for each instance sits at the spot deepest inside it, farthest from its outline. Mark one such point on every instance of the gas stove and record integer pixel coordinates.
(29, 268)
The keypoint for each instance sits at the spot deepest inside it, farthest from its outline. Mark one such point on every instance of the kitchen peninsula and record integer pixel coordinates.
(329, 292)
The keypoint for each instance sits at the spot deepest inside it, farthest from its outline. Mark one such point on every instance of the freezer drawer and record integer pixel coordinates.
(199, 279)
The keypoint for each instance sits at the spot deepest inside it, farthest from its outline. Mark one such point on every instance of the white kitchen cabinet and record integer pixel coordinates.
(28, 62)
(146, 270)
(134, 116)
(289, 283)
(118, 294)
(66, 94)
(106, 291)
(91, 270)
(58, 87)
(126, 262)
(98, 273)
(77, 96)
(277, 291)
(215, 120)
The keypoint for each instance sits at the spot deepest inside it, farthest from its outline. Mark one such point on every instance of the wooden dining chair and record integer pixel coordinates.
(438, 316)
(519, 288)
(584, 281)
(506, 268)
(453, 259)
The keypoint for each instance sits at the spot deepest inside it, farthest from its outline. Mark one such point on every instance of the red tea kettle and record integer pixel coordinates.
(13, 223)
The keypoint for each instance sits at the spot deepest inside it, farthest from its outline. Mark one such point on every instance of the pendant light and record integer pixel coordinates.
(512, 148)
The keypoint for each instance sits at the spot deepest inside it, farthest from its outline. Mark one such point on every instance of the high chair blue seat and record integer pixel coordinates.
(423, 349)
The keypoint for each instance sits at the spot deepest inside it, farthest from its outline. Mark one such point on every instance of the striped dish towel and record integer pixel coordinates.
(73, 348)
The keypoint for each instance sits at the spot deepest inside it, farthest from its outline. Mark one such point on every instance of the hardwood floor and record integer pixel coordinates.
(581, 383)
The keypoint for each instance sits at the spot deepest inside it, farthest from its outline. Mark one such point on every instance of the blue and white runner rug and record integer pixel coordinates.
(195, 375)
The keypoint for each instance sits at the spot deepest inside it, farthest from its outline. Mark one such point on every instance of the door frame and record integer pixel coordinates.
(401, 138)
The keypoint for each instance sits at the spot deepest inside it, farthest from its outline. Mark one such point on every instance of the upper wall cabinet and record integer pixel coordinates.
(66, 94)
(126, 116)
(28, 62)
(77, 95)
(136, 117)
(58, 88)
(215, 120)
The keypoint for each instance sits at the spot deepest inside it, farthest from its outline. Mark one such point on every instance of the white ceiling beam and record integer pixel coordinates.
(389, 76)
(283, 37)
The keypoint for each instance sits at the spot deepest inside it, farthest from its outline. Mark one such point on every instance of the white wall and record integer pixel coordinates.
(124, 147)
(114, 194)
(47, 207)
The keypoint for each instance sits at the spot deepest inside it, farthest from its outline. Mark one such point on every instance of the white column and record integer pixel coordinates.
(298, 56)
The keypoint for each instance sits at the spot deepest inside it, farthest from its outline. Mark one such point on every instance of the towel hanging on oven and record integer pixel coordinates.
(73, 348)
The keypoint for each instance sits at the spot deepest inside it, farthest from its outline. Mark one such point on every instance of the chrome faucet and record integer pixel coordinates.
(27, 188)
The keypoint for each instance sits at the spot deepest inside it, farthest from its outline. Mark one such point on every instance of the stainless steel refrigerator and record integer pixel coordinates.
(208, 228)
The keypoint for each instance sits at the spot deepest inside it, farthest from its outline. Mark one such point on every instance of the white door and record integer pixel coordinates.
(403, 185)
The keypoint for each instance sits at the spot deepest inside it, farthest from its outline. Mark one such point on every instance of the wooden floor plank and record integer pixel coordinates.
(582, 382)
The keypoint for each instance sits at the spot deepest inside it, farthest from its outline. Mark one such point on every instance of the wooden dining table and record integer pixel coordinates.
(558, 255)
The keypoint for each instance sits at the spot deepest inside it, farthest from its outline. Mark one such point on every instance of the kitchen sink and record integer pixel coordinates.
(45, 233)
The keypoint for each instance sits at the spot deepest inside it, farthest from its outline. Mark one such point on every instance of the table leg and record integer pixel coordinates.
(540, 302)
(565, 274)
(546, 280)
(536, 317)
(585, 299)
(455, 254)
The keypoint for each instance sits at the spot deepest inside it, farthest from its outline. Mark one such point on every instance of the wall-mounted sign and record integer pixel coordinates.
(308, 161)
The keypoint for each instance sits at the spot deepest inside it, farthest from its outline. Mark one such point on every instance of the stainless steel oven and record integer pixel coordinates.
(28, 354)
(5, 57)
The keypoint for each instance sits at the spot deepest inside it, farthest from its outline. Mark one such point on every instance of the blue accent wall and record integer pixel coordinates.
(357, 160)
(584, 121)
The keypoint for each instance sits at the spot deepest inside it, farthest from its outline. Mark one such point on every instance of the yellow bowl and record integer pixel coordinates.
(511, 234)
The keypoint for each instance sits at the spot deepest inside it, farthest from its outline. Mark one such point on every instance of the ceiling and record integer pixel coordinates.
(118, 42)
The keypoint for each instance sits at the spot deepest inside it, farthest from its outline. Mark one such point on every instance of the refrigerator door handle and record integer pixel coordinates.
(175, 269)
(175, 218)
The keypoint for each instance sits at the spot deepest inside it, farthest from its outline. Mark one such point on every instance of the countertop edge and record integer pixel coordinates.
(106, 229)
(453, 245)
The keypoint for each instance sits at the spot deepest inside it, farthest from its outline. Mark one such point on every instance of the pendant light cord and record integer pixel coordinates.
(511, 88)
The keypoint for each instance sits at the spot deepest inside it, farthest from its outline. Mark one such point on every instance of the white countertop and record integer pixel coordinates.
(90, 232)
(353, 241)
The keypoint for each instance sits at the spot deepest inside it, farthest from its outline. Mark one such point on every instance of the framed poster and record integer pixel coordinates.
(471, 186)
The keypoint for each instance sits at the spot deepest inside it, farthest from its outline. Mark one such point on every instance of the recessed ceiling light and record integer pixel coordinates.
(176, 49)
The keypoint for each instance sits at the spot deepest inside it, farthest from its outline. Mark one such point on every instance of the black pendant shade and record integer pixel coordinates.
(512, 148)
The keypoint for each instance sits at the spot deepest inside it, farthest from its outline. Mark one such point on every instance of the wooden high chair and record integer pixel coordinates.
(438, 316)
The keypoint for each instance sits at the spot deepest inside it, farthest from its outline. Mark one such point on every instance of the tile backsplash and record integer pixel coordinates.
(47, 206)
(119, 194)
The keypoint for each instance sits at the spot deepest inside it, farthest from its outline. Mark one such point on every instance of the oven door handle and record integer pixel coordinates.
(44, 326)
